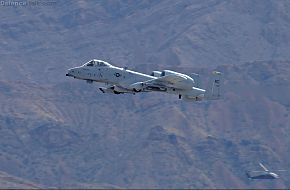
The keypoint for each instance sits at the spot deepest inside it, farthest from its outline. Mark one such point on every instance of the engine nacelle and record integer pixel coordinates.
(156, 73)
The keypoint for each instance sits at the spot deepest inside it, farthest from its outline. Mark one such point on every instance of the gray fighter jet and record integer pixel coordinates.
(264, 174)
(122, 80)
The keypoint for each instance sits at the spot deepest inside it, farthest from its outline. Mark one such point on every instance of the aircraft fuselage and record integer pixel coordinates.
(113, 75)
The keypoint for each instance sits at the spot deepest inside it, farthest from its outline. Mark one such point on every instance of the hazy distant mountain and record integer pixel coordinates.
(40, 42)
(12, 182)
(60, 132)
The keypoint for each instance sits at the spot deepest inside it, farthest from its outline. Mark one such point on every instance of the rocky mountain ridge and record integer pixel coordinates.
(63, 133)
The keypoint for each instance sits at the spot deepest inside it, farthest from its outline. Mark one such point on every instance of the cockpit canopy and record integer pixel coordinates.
(97, 63)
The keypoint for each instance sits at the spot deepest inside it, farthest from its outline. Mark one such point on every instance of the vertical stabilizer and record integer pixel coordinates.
(213, 90)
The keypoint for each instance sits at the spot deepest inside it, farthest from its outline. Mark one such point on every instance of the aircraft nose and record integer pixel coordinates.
(69, 73)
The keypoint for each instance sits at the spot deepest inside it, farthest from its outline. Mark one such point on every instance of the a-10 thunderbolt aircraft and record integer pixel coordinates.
(122, 80)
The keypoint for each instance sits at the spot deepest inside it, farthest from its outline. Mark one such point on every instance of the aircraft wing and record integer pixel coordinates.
(168, 80)
(159, 84)
(262, 166)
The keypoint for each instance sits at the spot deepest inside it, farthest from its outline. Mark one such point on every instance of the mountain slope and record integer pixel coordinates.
(66, 133)
(11, 182)
(39, 43)
(60, 132)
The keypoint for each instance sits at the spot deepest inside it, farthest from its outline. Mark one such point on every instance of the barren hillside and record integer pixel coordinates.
(60, 132)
